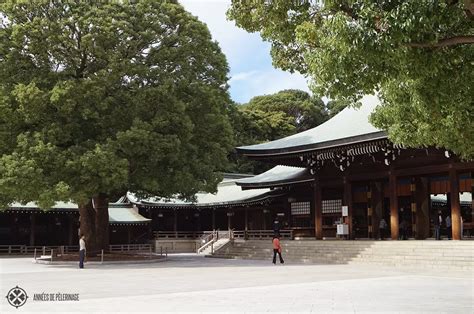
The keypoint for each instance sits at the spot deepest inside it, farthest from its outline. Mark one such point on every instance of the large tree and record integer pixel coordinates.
(100, 99)
(270, 117)
(416, 55)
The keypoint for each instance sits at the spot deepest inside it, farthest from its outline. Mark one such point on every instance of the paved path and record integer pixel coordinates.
(189, 283)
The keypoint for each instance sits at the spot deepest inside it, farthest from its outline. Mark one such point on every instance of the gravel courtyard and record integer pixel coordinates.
(190, 283)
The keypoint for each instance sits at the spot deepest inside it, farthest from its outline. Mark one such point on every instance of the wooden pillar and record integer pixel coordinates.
(422, 199)
(472, 197)
(455, 205)
(229, 221)
(129, 236)
(414, 208)
(264, 219)
(213, 219)
(175, 223)
(392, 182)
(348, 203)
(70, 233)
(32, 229)
(376, 199)
(318, 210)
(370, 214)
(246, 219)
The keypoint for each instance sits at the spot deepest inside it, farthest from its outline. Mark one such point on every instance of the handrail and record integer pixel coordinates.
(207, 239)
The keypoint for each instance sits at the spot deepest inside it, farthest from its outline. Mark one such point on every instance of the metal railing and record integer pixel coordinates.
(261, 234)
(28, 249)
(177, 234)
(135, 248)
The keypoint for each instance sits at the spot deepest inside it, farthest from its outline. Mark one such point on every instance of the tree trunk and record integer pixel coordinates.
(101, 205)
(87, 227)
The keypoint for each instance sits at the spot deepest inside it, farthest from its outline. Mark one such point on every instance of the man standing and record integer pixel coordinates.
(82, 251)
(448, 226)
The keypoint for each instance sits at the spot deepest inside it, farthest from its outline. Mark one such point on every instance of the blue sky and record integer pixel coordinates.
(251, 70)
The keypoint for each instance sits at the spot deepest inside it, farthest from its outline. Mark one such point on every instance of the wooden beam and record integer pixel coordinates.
(455, 205)
(433, 169)
(318, 211)
(367, 176)
(392, 179)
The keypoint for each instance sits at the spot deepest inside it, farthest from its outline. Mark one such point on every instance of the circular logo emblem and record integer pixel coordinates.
(17, 297)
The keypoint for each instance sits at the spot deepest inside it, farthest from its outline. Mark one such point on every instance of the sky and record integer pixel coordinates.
(251, 71)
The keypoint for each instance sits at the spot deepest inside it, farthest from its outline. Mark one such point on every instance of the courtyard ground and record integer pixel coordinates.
(190, 283)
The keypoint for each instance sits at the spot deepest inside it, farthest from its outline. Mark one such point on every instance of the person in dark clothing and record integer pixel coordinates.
(276, 227)
(277, 249)
(448, 226)
(403, 229)
(437, 225)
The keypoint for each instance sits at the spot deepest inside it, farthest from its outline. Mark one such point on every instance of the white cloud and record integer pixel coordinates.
(248, 56)
(265, 82)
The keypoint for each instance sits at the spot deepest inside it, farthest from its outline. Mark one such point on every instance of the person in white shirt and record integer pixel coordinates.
(82, 251)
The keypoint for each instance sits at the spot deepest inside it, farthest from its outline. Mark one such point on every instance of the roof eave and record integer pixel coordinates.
(273, 184)
(312, 147)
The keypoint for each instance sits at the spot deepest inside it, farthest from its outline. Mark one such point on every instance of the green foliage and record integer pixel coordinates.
(270, 117)
(416, 55)
(109, 97)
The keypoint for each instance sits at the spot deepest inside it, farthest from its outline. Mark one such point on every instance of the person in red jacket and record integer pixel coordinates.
(277, 249)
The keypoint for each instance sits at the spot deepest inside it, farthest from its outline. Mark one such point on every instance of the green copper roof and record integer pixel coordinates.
(349, 126)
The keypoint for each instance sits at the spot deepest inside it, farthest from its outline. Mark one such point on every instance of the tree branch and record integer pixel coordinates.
(451, 41)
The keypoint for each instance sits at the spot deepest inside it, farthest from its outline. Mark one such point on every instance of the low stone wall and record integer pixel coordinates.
(177, 245)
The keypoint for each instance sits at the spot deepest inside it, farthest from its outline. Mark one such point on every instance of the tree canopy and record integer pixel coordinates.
(270, 117)
(417, 56)
(100, 99)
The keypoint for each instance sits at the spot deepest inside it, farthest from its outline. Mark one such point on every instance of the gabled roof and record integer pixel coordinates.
(228, 194)
(277, 176)
(349, 126)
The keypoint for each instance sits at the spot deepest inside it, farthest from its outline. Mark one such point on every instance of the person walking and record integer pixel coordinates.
(382, 228)
(448, 226)
(277, 249)
(437, 221)
(82, 251)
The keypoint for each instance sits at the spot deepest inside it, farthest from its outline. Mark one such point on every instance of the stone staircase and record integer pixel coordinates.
(457, 255)
(216, 246)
